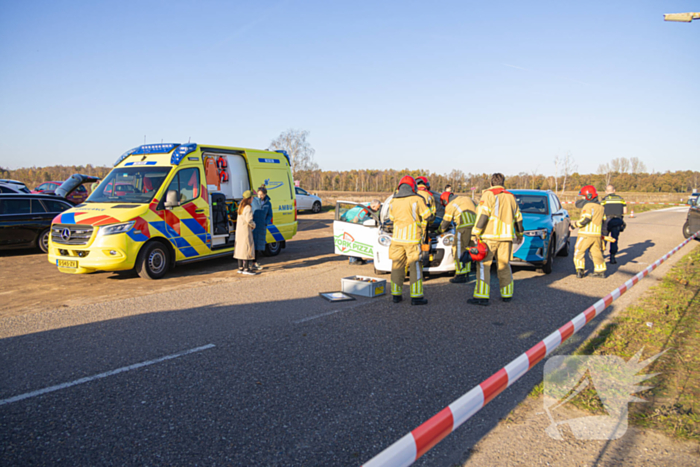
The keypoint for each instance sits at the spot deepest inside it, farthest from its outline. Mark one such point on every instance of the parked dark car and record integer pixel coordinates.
(25, 219)
(692, 223)
(12, 186)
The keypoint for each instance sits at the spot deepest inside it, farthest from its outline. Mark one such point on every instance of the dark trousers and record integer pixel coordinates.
(614, 227)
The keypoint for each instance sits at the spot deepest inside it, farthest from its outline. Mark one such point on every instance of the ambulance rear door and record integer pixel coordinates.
(355, 230)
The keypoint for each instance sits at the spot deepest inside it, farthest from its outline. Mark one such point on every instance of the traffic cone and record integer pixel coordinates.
(632, 215)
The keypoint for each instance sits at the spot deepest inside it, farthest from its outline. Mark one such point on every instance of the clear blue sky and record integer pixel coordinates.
(477, 86)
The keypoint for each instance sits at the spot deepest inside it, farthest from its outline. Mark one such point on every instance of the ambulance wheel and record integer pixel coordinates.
(153, 261)
(564, 252)
(686, 230)
(43, 241)
(549, 264)
(273, 249)
(316, 208)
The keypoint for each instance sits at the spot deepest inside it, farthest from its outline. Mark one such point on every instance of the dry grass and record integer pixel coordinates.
(667, 319)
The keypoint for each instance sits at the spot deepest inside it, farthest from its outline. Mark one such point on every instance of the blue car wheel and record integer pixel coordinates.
(549, 261)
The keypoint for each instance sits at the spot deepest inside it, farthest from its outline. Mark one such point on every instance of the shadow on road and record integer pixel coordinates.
(334, 390)
(630, 253)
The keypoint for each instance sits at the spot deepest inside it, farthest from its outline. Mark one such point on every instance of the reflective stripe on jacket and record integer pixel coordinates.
(462, 210)
(409, 215)
(592, 218)
(498, 216)
(614, 205)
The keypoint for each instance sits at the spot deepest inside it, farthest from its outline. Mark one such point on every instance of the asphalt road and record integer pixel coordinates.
(291, 379)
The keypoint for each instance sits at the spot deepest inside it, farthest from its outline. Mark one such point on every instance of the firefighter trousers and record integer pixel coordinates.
(463, 237)
(595, 246)
(403, 255)
(501, 252)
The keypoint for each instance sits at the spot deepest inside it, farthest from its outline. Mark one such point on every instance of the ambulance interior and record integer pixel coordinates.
(227, 180)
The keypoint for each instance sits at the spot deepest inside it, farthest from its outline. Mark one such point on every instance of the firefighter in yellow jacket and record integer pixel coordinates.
(462, 211)
(498, 222)
(591, 232)
(410, 216)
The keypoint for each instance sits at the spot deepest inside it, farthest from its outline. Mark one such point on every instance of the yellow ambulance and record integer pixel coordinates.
(167, 204)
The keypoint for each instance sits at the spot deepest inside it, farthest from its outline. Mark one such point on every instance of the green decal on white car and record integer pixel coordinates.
(346, 244)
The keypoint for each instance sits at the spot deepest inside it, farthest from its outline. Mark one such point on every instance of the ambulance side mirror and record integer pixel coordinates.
(370, 223)
(171, 199)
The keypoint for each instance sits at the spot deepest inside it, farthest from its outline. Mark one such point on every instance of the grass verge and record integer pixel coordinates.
(666, 318)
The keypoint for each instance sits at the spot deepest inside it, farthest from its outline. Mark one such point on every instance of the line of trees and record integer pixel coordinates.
(34, 176)
(386, 180)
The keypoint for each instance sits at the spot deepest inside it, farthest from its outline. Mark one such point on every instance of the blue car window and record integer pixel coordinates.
(532, 204)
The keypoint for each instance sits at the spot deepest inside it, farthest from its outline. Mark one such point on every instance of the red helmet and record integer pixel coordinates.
(423, 181)
(408, 180)
(445, 198)
(479, 251)
(589, 192)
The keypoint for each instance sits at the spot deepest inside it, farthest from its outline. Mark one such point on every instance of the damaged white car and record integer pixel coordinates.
(363, 233)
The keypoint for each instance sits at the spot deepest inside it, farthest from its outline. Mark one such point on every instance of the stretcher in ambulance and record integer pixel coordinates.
(362, 233)
(168, 204)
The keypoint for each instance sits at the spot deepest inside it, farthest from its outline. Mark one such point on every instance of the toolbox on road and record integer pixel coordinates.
(364, 286)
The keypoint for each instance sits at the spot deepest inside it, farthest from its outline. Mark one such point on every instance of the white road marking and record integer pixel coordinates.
(87, 379)
(329, 313)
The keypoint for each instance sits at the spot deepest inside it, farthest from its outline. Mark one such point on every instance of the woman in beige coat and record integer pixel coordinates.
(245, 246)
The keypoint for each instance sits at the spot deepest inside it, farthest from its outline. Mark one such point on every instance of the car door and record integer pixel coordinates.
(15, 222)
(694, 216)
(559, 221)
(355, 230)
(303, 200)
(186, 225)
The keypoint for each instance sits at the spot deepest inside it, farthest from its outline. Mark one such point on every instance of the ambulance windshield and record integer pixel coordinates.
(129, 185)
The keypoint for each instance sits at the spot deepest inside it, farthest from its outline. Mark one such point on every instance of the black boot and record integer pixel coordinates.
(507, 299)
(580, 273)
(459, 279)
(478, 301)
(397, 298)
(419, 301)
(599, 275)
(612, 259)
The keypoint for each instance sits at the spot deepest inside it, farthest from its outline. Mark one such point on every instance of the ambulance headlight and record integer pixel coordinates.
(385, 240)
(448, 240)
(116, 228)
(542, 233)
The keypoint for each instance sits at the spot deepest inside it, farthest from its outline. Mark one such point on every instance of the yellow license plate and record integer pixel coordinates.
(66, 263)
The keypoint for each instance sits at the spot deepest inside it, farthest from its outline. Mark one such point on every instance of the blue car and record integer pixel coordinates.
(546, 225)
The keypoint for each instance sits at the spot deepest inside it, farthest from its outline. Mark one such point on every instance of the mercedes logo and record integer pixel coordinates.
(65, 234)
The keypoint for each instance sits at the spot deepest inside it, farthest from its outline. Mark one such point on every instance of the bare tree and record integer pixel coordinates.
(568, 167)
(620, 165)
(557, 167)
(533, 176)
(637, 166)
(606, 171)
(301, 154)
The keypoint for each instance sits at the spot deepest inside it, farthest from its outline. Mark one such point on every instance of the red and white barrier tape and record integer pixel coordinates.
(638, 202)
(408, 449)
